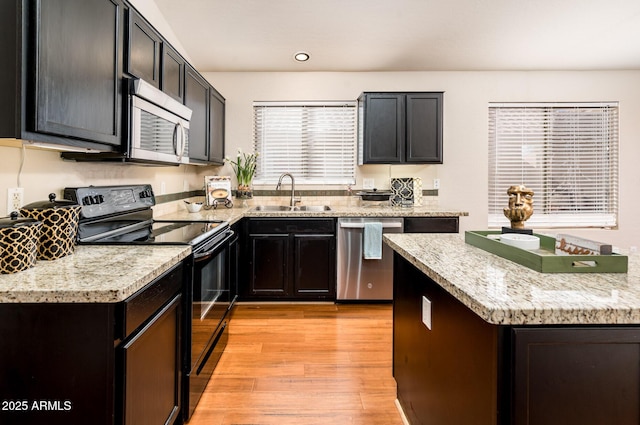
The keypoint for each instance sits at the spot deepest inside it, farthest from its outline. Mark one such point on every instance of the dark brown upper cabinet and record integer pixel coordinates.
(216, 126)
(196, 91)
(396, 128)
(172, 76)
(144, 45)
(151, 58)
(61, 80)
(66, 64)
(206, 128)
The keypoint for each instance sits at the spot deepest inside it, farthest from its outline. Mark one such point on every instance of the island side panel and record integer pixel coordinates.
(450, 374)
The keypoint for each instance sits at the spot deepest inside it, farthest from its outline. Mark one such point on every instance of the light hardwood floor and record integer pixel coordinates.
(304, 364)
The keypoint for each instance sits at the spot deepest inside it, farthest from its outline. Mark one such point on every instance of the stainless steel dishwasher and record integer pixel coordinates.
(360, 279)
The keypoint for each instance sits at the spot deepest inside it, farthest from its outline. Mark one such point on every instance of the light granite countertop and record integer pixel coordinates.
(93, 274)
(234, 214)
(505, 293)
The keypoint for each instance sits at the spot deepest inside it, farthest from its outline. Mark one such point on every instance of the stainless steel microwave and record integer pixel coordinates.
(158, 129)
(159, 126)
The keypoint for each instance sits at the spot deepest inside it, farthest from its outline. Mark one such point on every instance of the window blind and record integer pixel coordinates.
(316, 142)
(566, 153)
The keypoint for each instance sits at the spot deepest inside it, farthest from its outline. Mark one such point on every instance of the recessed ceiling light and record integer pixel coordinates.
(301, 56)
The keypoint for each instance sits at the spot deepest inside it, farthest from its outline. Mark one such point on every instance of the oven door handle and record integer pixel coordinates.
(232, 303)
(203, 256)
(126, 229)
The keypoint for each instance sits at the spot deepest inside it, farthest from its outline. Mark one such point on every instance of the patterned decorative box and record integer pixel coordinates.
(401, 191)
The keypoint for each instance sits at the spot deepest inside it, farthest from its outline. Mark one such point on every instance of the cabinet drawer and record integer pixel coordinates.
(151, 375)
(140, 306)
(286, 225)
(431, 225)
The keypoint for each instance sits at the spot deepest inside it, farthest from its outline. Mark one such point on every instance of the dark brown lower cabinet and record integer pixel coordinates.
(151, 364)
(56, 364)
(582, 376)
(289, 259)
(314, 273)
(269, 275)
(94, 363)
(431, 224)
(467, 371)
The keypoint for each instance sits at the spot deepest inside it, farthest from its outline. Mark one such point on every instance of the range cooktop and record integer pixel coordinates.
(123, 215)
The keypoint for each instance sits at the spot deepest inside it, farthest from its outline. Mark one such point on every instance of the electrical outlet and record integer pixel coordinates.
(436, 183)
(426, 312)
(15, 196)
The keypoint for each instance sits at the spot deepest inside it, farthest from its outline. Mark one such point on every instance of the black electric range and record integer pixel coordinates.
(123, 215)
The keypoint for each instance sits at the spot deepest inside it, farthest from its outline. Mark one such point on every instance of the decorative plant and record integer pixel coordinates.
(244, 167)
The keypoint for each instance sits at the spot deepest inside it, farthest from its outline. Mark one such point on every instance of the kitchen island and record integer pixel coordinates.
(479, 339)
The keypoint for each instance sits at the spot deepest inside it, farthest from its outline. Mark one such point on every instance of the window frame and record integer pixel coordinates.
(552, 208)
(303, 168)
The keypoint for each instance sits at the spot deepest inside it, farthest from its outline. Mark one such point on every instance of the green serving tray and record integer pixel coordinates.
(544, 260)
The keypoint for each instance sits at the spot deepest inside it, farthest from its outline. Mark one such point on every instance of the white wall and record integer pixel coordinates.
(44, 172)
(463, 176)
(464, 172)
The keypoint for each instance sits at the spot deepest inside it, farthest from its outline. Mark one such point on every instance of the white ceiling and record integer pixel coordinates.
(407, 35)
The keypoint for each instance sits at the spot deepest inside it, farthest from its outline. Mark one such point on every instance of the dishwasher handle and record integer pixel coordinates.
(361, 225)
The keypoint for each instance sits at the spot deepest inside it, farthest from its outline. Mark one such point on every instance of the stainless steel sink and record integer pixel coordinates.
(271, 208)
(302, 208)
(318, 208)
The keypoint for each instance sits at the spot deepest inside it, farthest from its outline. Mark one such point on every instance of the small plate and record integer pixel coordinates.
(528, 242)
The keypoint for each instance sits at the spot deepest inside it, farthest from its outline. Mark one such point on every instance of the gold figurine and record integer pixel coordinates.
(520, 205)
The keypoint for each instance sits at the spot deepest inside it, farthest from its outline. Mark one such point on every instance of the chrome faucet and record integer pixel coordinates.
(293, 188)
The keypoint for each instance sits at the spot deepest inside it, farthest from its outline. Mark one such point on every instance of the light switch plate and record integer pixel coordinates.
(368, 184)
(426, 312)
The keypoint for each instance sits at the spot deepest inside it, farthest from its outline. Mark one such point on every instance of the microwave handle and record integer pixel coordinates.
(179, 137)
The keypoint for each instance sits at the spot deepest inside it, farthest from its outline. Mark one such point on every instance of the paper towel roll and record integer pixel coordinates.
(417, 191)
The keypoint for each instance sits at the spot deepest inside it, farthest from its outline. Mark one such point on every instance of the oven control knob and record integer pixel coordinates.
(98, 199)
(146, 194)
(87, 200)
